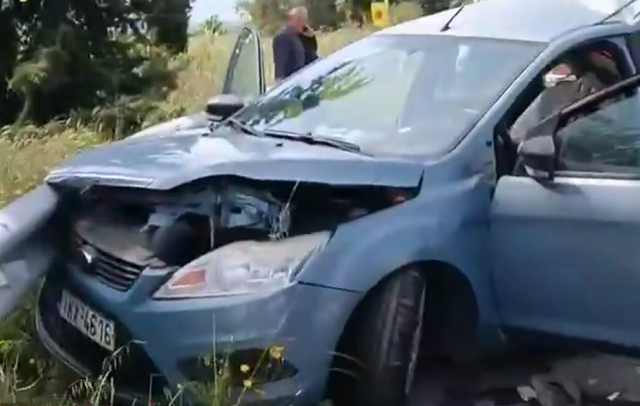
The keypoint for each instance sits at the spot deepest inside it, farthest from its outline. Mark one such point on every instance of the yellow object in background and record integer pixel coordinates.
(380, 13)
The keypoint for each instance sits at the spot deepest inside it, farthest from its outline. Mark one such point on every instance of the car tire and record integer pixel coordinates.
(387, 340)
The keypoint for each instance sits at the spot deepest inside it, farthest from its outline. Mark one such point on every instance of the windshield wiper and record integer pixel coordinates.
(315, 139)
(308, 138)
(241, 126)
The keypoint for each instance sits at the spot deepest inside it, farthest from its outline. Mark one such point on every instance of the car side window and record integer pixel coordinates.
(604, 141)
(244, 81)
(577, 73)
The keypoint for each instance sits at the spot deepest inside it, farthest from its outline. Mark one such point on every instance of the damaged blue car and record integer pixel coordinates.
(451, 186)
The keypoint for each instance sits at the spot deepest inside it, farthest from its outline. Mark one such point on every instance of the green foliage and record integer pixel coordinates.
(434, 6)
(168, 23)
(269, 14)
(405, 11)
(323, 13)
(213, 26)
(64, 56)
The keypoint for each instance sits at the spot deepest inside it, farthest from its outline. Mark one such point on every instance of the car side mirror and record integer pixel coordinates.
(538, 150)
(223, 106)
(538, 156)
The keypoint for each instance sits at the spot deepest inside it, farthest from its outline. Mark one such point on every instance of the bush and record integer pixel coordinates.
(406, 11)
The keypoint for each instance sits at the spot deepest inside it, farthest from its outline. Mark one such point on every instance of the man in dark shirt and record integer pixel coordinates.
(288, 49)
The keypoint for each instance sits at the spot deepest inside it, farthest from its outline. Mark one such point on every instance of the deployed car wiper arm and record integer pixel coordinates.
(239, 125)
(331, 142)
(308, 138)
(311, 138)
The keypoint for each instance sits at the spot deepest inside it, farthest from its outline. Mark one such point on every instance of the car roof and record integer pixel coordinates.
(525, 20)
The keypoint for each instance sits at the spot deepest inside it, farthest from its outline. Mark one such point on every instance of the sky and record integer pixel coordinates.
(203, 9)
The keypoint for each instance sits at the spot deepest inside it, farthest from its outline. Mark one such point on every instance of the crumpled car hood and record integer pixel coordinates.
(164, 162)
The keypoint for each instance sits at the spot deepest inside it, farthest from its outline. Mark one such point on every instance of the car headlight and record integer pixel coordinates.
(243, 267)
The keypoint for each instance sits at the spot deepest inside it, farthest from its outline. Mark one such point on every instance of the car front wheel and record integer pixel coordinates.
(387, 339)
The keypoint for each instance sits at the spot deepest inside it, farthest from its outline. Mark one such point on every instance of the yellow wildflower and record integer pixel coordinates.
(247, 383)
(244, 368)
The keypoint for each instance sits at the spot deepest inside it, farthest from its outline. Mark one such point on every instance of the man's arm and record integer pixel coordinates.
(314, 44)
(313, 47)
(281, 55)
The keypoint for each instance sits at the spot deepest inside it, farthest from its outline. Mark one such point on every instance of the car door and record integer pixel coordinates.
(245, 75)
(565, 252)
(30, 237)
(244, 78)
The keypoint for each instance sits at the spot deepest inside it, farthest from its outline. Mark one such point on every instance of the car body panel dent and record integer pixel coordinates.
(363, 252)
(167, 162)
(457, 218)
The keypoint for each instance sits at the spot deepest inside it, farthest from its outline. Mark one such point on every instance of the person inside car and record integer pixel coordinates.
(567, 82)
(577, 74)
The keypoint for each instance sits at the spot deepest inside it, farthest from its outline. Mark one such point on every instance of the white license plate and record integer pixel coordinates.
(88, 321)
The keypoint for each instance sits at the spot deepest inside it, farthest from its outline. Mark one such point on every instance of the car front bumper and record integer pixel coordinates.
(165, 340)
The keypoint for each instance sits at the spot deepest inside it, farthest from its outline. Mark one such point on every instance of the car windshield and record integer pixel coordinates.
(394, 94)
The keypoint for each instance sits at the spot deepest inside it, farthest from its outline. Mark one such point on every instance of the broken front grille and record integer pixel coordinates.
(111, 270)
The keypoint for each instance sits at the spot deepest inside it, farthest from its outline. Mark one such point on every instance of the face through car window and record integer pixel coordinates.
(560, 73)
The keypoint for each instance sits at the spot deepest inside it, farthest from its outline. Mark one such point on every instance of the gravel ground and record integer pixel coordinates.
(589, 378)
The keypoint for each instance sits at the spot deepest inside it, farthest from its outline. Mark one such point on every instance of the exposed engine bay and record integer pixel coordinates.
(143, 228)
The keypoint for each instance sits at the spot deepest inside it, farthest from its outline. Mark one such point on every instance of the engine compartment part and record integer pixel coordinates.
(170, 229)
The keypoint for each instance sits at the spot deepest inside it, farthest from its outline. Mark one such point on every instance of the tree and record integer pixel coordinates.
(434, 6)
(323, 13)
(269, 15)
(168, 23)
(58, 56)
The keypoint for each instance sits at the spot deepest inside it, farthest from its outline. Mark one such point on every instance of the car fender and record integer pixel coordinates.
(450, 226)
